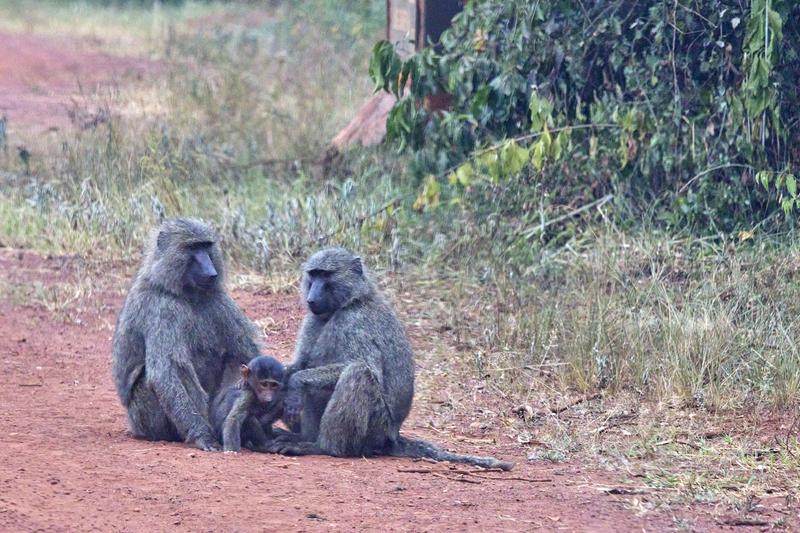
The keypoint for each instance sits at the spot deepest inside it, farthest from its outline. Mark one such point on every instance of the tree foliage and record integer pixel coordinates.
(693, 100)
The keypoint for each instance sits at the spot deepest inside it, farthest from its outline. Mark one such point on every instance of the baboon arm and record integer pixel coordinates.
(232, 428)
(184, 401)
(309, 331)
(255, 433)
(241, 350)
(314, 381)
(177, 404)
(319, 378)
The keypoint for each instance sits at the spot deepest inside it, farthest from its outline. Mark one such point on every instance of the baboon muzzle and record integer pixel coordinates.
(207, 271)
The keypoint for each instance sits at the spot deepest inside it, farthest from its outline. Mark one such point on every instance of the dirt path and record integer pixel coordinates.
(40, 76)
(68, 463)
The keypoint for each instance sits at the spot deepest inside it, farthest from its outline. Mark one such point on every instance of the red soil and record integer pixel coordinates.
(69, 464)
(39, 77)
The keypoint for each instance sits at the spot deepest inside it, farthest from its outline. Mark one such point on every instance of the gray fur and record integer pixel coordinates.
(352, 378)
(239, 415)
(173, 342)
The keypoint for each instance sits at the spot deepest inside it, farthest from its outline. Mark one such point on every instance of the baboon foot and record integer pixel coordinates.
(295, 448)
(287, 438)
(207, 444)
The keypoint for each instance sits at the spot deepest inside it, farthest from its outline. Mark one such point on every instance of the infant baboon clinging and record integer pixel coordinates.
(352, 379)
(246, 411)
(176, 336)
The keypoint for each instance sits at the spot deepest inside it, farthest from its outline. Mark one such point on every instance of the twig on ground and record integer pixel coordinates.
(573, 403)
(462, 479)
(687, 443)
(744, 522)
(634, 490)
(678, 441)
(525, 479)
(474, 473)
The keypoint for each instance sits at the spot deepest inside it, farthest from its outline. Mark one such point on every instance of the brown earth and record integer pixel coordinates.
(69, 464)
(41, 77)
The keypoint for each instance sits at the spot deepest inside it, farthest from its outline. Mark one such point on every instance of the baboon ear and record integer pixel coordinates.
(161, 241)
(245, 370)
(356, 265)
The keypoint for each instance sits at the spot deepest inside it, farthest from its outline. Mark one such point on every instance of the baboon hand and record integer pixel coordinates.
(207, 443)
(282, 446)
(292, 407)
(286, 438)
(231, 449)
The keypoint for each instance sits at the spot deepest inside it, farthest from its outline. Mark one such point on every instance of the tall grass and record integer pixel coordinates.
(245, 102)
(709, 321)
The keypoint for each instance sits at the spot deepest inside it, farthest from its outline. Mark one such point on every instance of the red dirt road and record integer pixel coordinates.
(68, 463)
(39, 76)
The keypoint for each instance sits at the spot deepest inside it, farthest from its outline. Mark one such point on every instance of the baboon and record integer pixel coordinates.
(177, 335)
(351, 382)
(246, 411)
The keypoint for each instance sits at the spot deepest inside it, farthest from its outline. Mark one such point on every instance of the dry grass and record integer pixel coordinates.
(739, 453)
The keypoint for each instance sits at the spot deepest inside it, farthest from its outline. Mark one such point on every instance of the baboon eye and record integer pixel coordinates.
(200, 245)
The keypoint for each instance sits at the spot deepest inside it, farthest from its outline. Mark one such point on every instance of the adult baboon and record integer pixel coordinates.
(245, 411)
(352, 379)
(177, 335)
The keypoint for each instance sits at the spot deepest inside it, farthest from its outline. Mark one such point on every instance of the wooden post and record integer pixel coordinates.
(410, 26)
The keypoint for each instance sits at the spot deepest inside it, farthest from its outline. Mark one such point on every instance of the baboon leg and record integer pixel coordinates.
(314, 403)
(146, 417)
(314, 387)
(283, 437)
(356, 421)
(254, 432)
(298, 448)
(314, 406)
(234, 428)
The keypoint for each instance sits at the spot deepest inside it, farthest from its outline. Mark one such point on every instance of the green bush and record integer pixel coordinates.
(692, 102)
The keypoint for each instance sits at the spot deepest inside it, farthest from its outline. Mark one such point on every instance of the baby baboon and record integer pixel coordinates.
(246, 411)
(352, 379)
(177, 335)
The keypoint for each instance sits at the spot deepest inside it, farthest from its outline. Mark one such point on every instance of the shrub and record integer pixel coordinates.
(694, 100)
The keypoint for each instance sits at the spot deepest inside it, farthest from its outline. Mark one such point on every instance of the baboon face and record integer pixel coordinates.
(319, 293)
(186, 257)
(200, 272)
(330, 278)
(264, 375)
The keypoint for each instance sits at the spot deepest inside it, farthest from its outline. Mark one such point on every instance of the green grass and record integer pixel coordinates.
(111, 27)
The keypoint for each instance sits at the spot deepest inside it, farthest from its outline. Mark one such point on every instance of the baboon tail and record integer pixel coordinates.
(420, 449)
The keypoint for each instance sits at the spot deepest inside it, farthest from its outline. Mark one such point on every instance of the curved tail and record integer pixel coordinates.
(420, 449)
